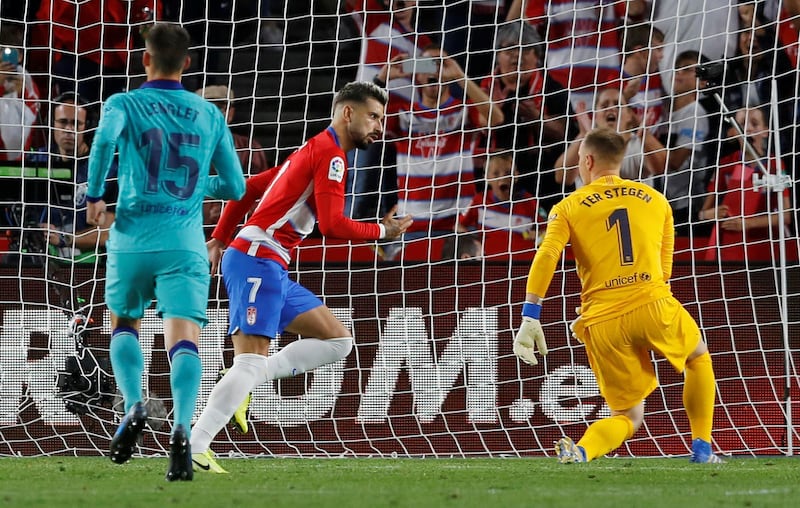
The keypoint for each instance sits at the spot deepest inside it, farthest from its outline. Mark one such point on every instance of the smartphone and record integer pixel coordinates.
(11, 56)
(421, 66)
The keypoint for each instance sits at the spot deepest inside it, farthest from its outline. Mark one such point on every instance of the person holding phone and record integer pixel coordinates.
(19, 105)
(390, 29)
(433, 138)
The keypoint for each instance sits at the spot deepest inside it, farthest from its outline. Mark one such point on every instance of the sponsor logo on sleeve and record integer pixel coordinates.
(336, 169)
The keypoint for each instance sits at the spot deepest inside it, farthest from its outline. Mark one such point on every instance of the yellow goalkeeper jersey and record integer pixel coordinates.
(622, 237)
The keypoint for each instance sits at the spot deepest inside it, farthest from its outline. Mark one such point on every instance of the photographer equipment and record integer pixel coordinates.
(86, 381)
(712, 73)
(27, 190)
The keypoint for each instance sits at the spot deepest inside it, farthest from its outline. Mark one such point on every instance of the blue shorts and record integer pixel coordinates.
(178, 280)
(263, 300)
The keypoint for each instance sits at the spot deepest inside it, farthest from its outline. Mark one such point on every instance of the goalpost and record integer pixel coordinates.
(432, 372)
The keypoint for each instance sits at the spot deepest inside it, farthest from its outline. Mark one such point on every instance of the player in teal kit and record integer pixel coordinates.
(167, 138)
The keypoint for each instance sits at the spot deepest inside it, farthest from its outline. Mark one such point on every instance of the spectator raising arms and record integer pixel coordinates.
(535, 107)
(390, 29)
(19, 97)
(645, 156)
(432, 133)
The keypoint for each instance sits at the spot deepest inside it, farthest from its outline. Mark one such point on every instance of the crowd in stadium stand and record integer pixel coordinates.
(547, 72)
(562, 67)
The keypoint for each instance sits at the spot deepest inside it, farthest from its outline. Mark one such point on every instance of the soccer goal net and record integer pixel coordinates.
(487, 100)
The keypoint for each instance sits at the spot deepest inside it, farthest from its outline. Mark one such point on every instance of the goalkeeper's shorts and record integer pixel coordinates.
(262, 298)
(178, 280)
(619, 349)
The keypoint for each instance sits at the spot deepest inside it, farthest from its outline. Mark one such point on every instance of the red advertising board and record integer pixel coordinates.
(432, 372)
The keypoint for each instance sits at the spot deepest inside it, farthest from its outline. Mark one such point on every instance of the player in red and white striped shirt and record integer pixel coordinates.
(307, 188)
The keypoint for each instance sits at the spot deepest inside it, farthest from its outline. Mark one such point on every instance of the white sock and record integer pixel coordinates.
(248, 371)
(307, 354)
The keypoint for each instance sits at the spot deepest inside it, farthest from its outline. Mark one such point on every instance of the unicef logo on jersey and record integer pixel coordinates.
(336, 169)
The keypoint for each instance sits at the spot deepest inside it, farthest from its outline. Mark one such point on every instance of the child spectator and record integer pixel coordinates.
(744, 226)
(506, 215)
(459, 247)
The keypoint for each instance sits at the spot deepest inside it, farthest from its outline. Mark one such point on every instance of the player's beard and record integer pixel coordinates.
(363, 143)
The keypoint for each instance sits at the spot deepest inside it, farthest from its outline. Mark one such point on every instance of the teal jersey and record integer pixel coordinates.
(167, 138)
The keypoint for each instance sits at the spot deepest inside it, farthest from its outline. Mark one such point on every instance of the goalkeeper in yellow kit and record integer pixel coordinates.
(622, 236)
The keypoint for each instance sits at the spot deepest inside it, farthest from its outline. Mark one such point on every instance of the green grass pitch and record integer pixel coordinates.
(345, 483)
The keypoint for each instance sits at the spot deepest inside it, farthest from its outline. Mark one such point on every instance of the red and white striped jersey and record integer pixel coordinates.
(308, 188)
(383, 41)
(582, 41)
(435, 171)
(519, 215)
(18, 113)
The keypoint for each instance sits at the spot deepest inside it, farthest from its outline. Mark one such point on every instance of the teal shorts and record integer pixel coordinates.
(178, 280)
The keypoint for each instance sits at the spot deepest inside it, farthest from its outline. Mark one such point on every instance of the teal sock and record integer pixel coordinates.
(185, 381)
(128, 364)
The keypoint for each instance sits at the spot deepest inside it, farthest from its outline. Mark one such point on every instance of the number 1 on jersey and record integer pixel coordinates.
(619, 218)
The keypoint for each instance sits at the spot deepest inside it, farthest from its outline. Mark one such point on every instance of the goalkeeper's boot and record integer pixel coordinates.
(701, 453)
(568, 452)
(127, 434)
(180, 456)
(206, 461)
(239, 418)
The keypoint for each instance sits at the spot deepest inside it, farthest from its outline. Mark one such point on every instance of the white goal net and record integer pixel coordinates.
(432, 372)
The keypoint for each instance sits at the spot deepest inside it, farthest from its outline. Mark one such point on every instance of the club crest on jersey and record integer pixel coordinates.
(251, 316)
(336, 169)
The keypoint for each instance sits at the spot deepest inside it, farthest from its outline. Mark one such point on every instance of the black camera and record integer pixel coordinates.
(711, 72)
(86, 382)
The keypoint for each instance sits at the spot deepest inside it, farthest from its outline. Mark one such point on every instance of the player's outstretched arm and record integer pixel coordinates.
(395, 226)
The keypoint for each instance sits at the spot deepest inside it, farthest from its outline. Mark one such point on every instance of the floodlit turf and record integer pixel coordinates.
(345, 483)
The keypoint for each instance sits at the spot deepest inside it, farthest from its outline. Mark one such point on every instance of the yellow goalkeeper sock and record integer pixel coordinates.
(699, 391)
(605, 435)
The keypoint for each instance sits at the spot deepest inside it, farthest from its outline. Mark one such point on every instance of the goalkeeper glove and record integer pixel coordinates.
(530, 335)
